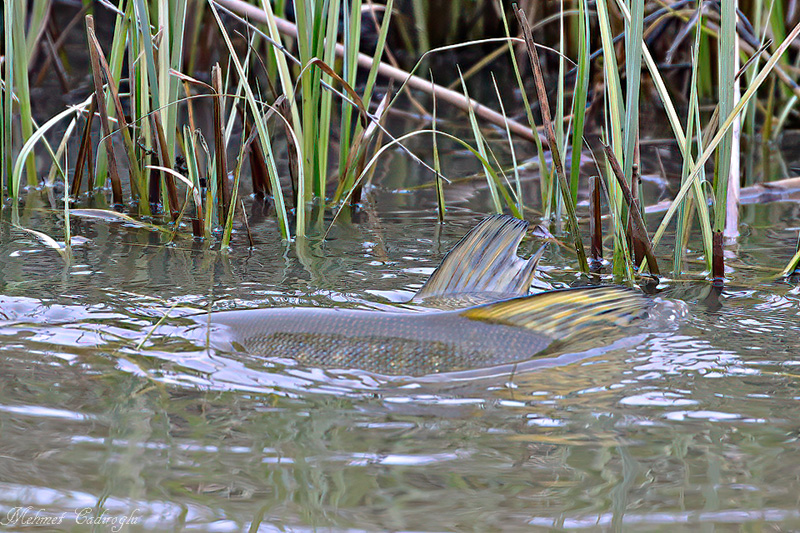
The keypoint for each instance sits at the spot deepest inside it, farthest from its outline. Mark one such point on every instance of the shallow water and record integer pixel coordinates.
(112, 407)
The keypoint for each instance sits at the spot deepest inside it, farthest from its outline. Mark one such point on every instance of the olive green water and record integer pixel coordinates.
(692, 425)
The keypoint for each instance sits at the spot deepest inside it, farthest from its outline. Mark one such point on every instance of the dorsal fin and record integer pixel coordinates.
(562, 314)
(485, 261)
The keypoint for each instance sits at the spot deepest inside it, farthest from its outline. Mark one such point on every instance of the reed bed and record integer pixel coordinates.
(292, 85)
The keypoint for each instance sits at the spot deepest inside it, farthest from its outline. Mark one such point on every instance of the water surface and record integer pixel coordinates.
(110, 400)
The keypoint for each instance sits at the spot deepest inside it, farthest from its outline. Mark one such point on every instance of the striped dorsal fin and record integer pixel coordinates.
(485, 261)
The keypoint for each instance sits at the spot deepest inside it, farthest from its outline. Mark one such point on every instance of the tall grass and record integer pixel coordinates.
(19, 45)
(319, 103)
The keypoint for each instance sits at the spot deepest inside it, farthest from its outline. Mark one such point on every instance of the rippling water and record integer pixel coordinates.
(112, 406)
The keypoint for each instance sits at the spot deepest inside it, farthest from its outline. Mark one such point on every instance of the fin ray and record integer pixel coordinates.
(485, 260)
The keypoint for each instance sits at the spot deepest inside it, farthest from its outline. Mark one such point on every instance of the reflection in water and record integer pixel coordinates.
(689, 423)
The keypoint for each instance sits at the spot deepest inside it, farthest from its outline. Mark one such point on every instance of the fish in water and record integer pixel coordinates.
(482, 267)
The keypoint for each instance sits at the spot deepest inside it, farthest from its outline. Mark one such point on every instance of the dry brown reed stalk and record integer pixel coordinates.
(636, 246)
(154, 182)
(414, 82)
(258, 165)
(638, 228)
(113, 172)
(544, 105)
(221, 157)
(84, 158)
(58, 65)
(96, 53)
(717, 259)
(60, 39)
(595, 223)
(163, 156)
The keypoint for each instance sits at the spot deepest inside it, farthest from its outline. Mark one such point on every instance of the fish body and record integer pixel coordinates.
(482, 268)
(382, 342)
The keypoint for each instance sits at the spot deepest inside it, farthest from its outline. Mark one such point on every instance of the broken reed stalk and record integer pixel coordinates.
(113, 172)
(221, 159)
(555, 152)
(717, 259)
(454, 98)
(85, 154)
(154, 183)
(638, 229)
(595, 223)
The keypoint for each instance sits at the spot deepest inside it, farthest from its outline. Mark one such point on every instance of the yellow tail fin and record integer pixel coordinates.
(562, 314)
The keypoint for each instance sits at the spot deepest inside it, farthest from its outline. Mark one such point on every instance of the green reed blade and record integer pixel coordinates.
(555, 148)
(326, 100)
(263, 134)
(579, 98)
(379, 48)
(517, 182)
(633, 72)
(20, 87)
(310, 108)
(38, 135)
(794, 263)
(684, 219)
(352, 44)
(709, 150)
(614, 114)
(545, 177)
(437, 164)
(704, 215)
(142, 15)
(172, 14)
(116, 57)
(193, 171)
(7, 106)
(476, 132)
(727, 53)
(36, 19)
(613, 86)
(283, 67)
(231, 208)
(368, 88)
(559, 112)
(3, 149)
(778, 22)
(421, 12)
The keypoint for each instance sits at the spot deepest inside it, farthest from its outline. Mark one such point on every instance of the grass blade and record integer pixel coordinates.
(727, 52)
(709, 150)
(498, 208)
(263, 135)
(579, 98)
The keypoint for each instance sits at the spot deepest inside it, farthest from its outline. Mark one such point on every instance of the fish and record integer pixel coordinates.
(483, 317)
